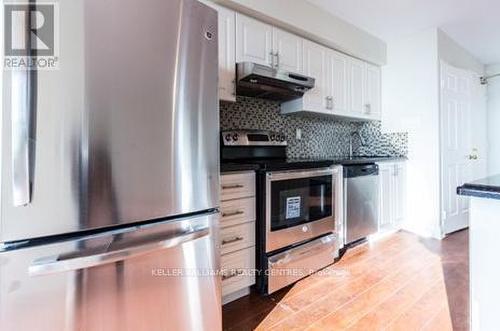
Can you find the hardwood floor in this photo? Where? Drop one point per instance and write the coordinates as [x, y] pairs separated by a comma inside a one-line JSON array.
[[400, 282]]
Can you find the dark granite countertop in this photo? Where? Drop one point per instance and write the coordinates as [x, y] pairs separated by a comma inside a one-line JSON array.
[[367, 159], [248, 166], [488, 188], [228, 167]]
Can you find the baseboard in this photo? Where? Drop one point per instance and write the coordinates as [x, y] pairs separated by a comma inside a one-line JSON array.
[[235, 295]]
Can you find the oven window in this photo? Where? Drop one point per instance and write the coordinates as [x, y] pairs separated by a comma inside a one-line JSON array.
[[298, 201]]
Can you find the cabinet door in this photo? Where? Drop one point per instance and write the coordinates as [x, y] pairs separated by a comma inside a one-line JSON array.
[[356, 77], [227, 54], [373, 91], [288, 49], [399, 210], [253, 41], [315, 66], [386, 195], [337, 81]]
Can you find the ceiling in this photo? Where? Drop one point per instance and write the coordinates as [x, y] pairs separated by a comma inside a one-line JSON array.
[[474, 24]]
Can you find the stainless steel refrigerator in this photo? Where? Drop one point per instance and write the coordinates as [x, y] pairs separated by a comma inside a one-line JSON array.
[[109, 180]]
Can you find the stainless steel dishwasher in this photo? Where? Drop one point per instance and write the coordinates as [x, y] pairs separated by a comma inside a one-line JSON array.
[[361, 201]]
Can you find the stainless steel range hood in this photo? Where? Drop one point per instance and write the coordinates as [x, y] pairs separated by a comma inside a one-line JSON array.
[[259, 81]]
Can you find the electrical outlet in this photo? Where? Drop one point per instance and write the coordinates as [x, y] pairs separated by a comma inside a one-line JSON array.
[[298, 134]]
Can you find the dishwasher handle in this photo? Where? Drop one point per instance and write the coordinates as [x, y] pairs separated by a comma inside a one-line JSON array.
[[361, 170]]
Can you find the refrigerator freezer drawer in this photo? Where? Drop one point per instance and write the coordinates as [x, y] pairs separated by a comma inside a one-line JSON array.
[[143, 278]]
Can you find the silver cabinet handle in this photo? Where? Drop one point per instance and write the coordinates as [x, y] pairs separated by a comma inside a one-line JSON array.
[[230, 241], [234, 213], [329, 102], [277, 59], [21, 116], [56, 264], [368, 108], [272, 58], [232, 187], [233, 273]]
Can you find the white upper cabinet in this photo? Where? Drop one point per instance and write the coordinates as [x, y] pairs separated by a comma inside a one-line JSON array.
[[356, 80], [253, 41], [337, 82], [373, 91], [344, 86], [315, 66], [227, 54], [287, 50]]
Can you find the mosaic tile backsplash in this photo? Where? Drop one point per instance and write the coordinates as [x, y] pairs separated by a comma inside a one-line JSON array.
[[322, 137]]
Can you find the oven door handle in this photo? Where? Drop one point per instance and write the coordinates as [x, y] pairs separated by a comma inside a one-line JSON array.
[[302, 252], [283, 175]]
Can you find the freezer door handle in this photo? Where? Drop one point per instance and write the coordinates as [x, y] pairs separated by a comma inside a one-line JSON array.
[[57, 264]]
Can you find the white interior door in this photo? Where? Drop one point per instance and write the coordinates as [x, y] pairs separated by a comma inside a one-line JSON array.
[[460, 158], [479, 123]]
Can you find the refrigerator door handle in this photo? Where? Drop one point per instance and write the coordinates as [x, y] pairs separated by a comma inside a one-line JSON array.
[[21, 121], [57, 264]]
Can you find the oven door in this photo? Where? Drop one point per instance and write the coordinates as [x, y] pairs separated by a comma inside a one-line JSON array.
[[300, 205]]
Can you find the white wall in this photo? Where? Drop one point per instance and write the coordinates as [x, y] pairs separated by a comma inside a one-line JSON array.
[[304, 18], [410, 101], [493, 103], [455, 55]]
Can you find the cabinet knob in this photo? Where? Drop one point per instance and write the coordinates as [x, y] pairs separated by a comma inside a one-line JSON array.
[[329, 102], [368, 108], [272, 59]]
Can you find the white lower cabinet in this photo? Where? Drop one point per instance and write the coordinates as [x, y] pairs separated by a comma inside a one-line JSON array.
[[237, 234], [237, 270], [392, 195]]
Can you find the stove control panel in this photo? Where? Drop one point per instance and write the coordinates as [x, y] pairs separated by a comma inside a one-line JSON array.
[[253, 138]]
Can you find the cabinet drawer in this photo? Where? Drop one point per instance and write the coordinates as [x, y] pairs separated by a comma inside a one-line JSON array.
[[237, 185], [238, 211], [237, 270], [237, 237]]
